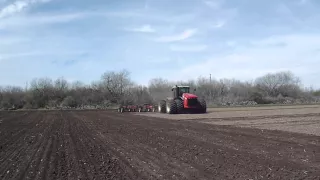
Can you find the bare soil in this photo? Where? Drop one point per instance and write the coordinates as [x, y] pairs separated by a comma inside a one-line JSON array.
[[110, 145], [242, 112], [299, 119]]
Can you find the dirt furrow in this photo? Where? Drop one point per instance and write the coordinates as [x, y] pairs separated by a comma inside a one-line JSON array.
[[74, 154], [109, 145], [12, 127], [61, 165], [254, 139], [117, 165], [13, 154], [41, 164], [31, 166], [52, 156], [125, 128]]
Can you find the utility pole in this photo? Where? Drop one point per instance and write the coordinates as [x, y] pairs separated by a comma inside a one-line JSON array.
[[26, 88], [210, 90]]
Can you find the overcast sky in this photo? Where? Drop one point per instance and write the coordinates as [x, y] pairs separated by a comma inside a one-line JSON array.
[[175, 39]]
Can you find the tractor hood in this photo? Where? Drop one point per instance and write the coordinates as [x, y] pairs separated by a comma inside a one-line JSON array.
[[189, 95]]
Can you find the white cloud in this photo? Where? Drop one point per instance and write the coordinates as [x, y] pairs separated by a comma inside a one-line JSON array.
[[32, 21], [303, 1], [145, 28], [146, 6], [5, 40], [155, 60], [219, 24], [25, 54], [178, 37], [231, 43], [57, 18], [299, 55], [124, 14], [41, 53], [18, 6], [13, 8], [194, 48], [214, 4]]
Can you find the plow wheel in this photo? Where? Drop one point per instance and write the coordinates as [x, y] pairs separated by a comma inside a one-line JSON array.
[[171, 107], [162, 106]]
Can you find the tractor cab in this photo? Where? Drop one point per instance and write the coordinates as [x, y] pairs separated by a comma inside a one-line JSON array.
[[178, 91]]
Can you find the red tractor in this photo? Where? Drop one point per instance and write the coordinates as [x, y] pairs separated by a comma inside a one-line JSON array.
[[182, 102]]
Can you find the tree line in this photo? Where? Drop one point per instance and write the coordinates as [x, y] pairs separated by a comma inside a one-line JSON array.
[[117, 88]]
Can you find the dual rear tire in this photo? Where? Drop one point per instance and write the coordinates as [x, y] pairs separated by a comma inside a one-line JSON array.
[[171, 106], [179, 103], [203, 105], [176, 106], [168, 106]]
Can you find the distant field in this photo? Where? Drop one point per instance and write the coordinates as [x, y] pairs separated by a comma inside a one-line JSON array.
[[265, 106], [300, 119]]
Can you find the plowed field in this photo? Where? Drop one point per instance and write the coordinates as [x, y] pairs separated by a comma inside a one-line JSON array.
[[110, 145]]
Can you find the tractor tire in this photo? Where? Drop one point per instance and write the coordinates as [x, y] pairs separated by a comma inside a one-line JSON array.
[[171, 107], [162, 106], [179, 103], [203, 105]]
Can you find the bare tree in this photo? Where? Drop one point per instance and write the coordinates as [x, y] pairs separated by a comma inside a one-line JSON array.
[[60, 90], [11, 96], [278, 83], [116, 84], [115, 88], [140, 95], [159, 88], [42, 92]]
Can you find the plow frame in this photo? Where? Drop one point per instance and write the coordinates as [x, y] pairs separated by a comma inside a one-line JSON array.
[[138, 108]]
